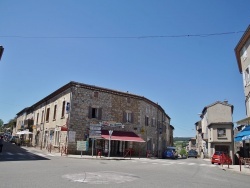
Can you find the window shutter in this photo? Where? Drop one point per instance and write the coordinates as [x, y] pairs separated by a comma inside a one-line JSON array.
[[124, 117], [132, 117], [90, 112], [100, 113]]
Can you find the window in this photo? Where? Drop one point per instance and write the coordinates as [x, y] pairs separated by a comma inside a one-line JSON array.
[[128, 117], [54, 115], [128, 100], [57, 137], [246, 76], [153, 122], [63, 109], [37, 116], [42, 116], [146, 120], [95, 113], [221, 132], [95, 94], [47, 114]]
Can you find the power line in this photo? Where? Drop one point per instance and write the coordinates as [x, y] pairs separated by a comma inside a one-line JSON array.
[[122, 37]]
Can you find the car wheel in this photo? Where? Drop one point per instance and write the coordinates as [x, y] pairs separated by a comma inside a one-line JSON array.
[[212, 162]]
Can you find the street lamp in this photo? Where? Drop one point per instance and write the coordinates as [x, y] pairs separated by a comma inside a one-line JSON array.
[[110, 134]]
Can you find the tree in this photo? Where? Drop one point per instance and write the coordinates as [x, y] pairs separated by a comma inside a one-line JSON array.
[[1, 125], [11, 124], [183, 152]]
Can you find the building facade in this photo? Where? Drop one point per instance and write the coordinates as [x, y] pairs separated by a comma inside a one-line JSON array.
[[215, 129], [242, 53], [69, 114]]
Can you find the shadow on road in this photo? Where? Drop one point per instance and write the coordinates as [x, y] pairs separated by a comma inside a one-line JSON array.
[[12, 152]]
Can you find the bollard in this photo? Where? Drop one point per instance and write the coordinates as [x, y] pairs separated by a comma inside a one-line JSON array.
[[240, 164]]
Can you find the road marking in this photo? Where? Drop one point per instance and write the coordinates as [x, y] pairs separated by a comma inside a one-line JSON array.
[[9, 153], [20, 154], [211, 165], [154, 163], [191, 164], [203, 164], [166, 164], [101, 178], [51, 155], [40, 154]]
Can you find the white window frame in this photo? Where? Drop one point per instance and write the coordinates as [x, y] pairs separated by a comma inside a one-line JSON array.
[[128, 117], [56, 137]]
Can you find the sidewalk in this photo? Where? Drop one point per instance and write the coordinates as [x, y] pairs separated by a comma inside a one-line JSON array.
[[234, 168], [45, 151]]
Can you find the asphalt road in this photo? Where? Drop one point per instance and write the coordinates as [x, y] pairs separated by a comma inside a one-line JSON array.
[[22, 169]]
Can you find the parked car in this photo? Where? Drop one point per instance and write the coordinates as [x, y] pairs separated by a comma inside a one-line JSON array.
[[220, 157], [192, 153], [16, 140], [170, 153]]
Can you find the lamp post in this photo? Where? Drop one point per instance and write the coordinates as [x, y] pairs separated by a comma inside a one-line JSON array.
[[110, 134]]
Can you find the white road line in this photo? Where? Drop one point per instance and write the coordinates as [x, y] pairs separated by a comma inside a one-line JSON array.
[[20, 154], [40, 154], [203, 164], [191, 164], [9, 153], [212, 165], [51, 155], [154, 163]]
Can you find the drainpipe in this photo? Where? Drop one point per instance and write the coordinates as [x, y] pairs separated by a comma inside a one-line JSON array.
[[157, 132], [70, 105], [44, 118]]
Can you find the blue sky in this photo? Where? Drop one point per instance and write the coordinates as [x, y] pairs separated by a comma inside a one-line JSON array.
[[50, 43]]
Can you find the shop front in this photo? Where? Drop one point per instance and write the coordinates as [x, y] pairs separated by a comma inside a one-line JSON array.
[[121, 143]]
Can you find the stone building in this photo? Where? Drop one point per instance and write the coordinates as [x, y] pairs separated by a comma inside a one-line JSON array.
[[74, 111]]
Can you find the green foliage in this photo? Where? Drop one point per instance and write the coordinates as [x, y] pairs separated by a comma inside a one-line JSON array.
[[1, 125], [1, 122], [183, 152]]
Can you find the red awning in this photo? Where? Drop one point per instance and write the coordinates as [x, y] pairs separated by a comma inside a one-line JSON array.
[[64, 128], [122, 136]]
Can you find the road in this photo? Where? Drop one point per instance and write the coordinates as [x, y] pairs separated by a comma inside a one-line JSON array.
[[20, 168]]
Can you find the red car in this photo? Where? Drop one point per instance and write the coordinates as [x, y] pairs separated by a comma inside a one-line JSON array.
[[221, 157]]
